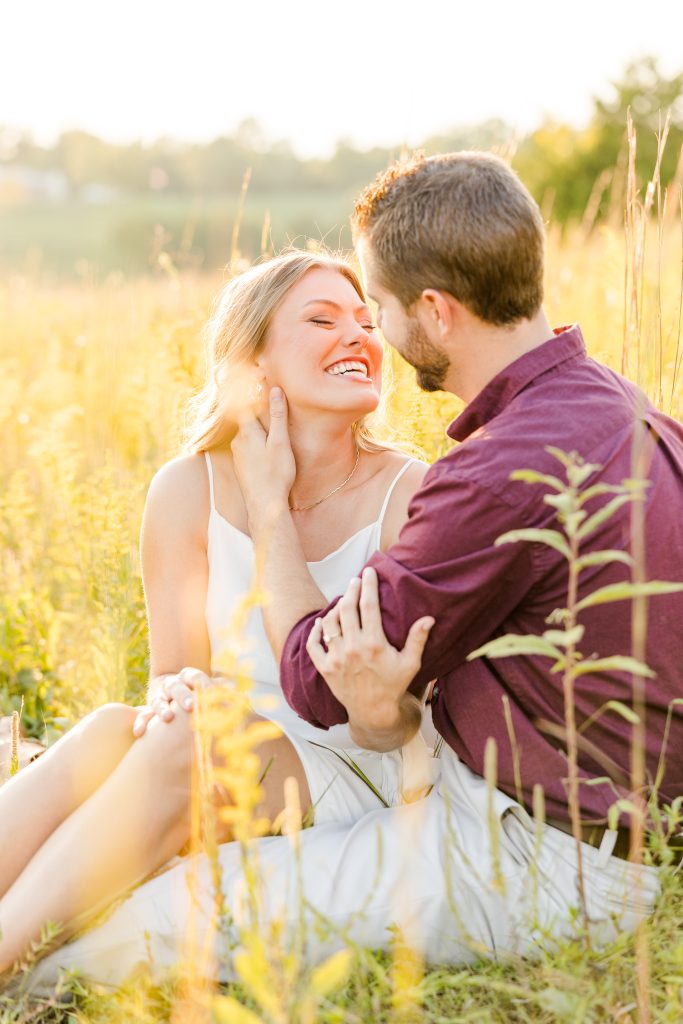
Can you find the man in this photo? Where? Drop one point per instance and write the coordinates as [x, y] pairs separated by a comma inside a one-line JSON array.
[[452, 252], [451, 249]]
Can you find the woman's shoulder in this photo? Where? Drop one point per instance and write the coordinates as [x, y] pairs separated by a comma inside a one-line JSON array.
[[404, 475], [410, 468], [181, 477], [178, 494]]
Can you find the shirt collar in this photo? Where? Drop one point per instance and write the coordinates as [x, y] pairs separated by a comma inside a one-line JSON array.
[[566, 343]]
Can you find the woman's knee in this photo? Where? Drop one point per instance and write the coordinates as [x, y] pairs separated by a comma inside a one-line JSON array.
[[109, 724], [168, 747]]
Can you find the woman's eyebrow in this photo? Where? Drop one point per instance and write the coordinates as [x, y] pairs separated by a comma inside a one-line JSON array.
[[330, 302]]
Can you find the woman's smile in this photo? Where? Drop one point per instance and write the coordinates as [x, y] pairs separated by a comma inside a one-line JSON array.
[[356, 369]]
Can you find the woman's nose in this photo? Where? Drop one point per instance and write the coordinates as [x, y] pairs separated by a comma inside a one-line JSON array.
[[357, 337]]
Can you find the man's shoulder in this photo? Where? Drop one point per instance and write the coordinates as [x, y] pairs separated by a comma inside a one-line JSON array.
[[586, 408]]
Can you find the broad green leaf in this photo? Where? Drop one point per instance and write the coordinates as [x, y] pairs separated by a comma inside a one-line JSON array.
[[227, 1010], [572, 522], [332, 974], [567, 459], [564, 503], [602, 558], [596, 490], [627, 591], [564, 637], [530, 476], [553, 538], [578, 474], [557, 617], [611, 705], [603, 514], [510, 645], [617, 663]]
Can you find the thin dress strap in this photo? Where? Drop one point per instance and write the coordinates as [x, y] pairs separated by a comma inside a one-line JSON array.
[[393, 483], [209, 469]]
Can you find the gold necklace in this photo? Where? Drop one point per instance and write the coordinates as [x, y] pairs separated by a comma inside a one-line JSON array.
[[303, 508]]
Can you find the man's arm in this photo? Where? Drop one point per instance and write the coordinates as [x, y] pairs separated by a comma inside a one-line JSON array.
[[446, 565]]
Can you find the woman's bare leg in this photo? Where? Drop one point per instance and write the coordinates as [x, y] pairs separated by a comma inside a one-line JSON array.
[[43, 794], [132, 824]]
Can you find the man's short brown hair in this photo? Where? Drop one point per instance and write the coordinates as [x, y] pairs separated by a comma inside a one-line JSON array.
[[461, 223]]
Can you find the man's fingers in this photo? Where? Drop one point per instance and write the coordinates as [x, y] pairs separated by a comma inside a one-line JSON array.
[[415, 642]]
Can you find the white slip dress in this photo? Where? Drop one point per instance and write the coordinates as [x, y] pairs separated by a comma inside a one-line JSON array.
[[333, 763], [352, 863]]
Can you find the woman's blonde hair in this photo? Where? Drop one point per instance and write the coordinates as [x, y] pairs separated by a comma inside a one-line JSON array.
[[235, 335]]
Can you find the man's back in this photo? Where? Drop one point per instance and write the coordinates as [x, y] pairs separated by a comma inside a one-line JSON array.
[[579, 405]]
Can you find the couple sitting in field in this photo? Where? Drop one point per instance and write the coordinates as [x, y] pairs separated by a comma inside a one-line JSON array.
[[451, 250]]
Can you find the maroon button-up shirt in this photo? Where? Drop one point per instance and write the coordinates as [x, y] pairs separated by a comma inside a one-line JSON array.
[[446, 564]]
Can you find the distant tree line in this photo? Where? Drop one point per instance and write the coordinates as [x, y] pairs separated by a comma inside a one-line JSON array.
[[559, 163]]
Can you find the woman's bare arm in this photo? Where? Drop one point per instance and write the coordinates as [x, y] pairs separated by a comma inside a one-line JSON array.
[[175, 569]]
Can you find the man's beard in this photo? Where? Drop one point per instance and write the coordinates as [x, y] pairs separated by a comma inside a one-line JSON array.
[[431, 365]]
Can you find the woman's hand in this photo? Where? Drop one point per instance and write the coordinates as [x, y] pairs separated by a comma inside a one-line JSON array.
[[264, 462], [173, 691], [362, 669]]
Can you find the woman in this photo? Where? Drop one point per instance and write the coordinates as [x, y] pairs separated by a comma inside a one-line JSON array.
[[101, 809]]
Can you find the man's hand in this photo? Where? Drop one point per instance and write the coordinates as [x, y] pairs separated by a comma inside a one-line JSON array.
[[172, 692], [362, 669], [264, 463]]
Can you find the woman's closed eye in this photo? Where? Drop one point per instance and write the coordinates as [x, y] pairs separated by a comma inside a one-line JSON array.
[[330, 323]]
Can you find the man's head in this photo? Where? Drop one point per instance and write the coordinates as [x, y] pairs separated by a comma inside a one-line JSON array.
[[449, 242]]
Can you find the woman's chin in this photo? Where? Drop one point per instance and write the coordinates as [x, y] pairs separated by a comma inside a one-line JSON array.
[[353, 405]]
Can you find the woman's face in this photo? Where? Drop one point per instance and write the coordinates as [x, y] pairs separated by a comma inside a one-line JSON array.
[[321, 347]]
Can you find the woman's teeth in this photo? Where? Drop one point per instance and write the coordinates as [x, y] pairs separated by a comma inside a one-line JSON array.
[[348, 366]]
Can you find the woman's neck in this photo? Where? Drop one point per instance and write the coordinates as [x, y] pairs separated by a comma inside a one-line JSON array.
[[325, 453]]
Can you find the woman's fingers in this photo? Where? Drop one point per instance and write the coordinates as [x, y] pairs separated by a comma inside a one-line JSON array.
[[142, 720], [349, 620], [370, 611], [314, 646], [414, 647], [331, 626], [180, 687]]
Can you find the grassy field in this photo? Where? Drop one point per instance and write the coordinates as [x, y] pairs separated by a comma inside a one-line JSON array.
[[94, 376], [124, 235]]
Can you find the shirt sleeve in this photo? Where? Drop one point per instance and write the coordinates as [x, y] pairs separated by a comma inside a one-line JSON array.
[[445, 564]]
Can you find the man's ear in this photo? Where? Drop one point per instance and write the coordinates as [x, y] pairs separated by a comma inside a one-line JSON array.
[[439, 311]]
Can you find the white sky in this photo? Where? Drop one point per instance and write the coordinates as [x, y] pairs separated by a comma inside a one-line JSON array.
[[313, 71]]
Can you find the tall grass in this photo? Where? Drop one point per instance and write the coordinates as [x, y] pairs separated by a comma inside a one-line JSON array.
[[93, 380]]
